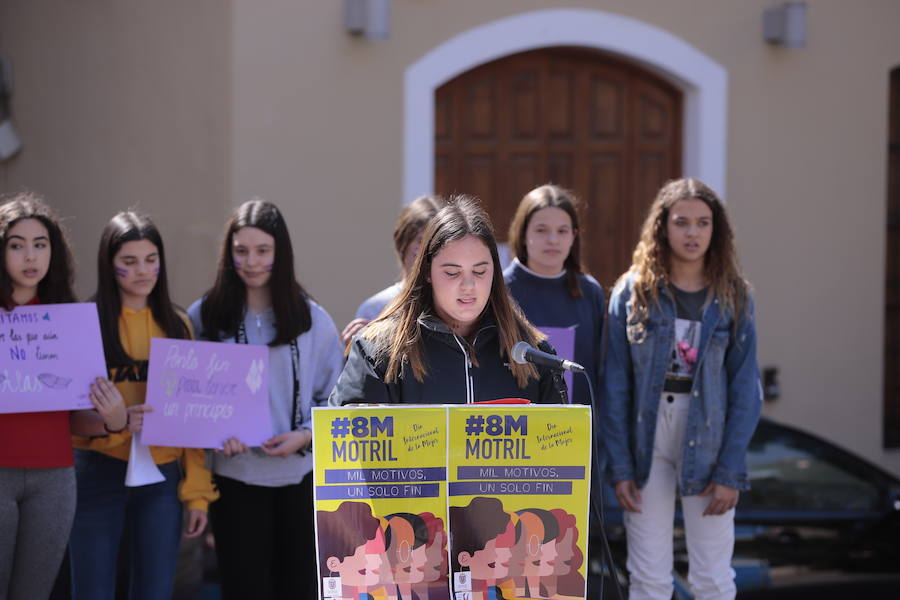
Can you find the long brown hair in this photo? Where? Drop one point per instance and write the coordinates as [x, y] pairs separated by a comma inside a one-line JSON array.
[[56, 286], [225, 303], [547, 196], [396, 333], [122, 228], [651, 261]]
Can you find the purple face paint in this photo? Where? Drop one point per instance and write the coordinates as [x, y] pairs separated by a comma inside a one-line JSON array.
[[269, 267], [120, 272], [237, 263], [156, 271]]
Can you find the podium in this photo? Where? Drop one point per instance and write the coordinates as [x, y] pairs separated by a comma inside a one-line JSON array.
[[452, 502]]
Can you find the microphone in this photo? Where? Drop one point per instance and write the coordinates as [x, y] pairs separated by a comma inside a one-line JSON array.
[[522, 353]]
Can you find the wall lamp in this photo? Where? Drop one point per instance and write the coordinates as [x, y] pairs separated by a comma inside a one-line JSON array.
[[10, 143], [785, 25], [371, 18]]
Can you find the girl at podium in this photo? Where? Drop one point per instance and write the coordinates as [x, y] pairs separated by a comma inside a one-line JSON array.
[[447, 337]]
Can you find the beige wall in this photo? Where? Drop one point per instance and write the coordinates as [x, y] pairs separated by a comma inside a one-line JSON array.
[[190, 108], [124, 104]]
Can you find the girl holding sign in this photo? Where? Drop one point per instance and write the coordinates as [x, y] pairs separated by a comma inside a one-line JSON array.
[[133, 301], [447, 338], [548, 280], [682, 394], [264, 519], [37, 479]]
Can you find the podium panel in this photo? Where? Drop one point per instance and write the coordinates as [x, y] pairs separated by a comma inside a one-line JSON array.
[[504, 487], [518, 482]]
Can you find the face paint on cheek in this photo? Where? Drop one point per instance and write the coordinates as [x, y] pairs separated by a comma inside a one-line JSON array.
[[120, 272], [268, 268], [237, 263], [156, 271]]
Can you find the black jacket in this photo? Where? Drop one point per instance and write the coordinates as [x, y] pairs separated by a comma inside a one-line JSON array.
[[448, 370]]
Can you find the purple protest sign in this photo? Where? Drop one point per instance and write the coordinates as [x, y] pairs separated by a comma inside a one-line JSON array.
[[563, 341], [203, 393], [49, 355]]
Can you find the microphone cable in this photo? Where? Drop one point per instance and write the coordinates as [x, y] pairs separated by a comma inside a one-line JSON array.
[[606, 558]]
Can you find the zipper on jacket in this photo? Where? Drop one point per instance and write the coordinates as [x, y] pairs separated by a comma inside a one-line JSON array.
[[470, 388]]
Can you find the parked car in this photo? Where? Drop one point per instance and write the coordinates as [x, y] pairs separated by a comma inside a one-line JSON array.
[[818, 522]]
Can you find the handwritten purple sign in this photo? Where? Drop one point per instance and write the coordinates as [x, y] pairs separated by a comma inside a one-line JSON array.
[[563, 341], [49, 355], [203, 393]]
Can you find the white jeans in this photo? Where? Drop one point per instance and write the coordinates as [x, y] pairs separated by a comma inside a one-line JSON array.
[[710, 539]]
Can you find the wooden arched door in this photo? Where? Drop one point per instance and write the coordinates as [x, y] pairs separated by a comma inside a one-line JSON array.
[[605, 128]]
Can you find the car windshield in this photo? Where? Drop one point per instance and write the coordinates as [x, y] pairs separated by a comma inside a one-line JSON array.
[[789, 472]]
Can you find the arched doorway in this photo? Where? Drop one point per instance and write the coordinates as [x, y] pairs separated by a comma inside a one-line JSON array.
[[602, 126]]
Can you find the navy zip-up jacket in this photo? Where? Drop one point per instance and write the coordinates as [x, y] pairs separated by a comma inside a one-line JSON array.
[[450, 378]]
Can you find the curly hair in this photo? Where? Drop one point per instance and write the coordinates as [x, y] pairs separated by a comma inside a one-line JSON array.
[[651, 261]]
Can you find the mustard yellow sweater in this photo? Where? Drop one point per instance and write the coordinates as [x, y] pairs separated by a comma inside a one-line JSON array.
[[135, 330]]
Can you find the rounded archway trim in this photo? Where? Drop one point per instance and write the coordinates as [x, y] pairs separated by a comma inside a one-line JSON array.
[[703, 81]]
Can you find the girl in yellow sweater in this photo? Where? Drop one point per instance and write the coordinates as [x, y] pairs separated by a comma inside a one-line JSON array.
[[133, 301]]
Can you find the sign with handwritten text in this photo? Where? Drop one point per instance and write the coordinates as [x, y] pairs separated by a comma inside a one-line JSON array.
[[49, 355], [203, 393]]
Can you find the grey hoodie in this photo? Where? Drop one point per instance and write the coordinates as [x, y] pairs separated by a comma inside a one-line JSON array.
[[321, 361]]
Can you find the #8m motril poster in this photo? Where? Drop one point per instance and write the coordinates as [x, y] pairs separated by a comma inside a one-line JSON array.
[[381, 502], [518, 486]]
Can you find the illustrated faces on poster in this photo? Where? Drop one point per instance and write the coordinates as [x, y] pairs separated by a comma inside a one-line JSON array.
[[532, 556], [491, 563], [565, 552], [435, 559], [406, 560], [364, 567]]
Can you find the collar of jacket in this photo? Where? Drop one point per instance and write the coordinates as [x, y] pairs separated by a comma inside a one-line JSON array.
[[431, 323]]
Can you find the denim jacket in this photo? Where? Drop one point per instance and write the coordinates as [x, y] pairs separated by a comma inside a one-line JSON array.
[[726, 396]]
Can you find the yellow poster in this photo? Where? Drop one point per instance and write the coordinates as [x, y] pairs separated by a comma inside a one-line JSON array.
[[381, 502], [518, 485]]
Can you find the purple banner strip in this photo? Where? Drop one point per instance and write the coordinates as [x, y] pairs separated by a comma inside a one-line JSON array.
[[510, 488], [391, 475], [519, 472], [377, 490]]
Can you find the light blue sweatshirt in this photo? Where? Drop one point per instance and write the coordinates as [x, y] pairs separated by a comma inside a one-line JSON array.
[[321, 361]]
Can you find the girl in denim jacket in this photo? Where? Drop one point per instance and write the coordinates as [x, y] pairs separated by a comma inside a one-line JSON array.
[[682, 395]]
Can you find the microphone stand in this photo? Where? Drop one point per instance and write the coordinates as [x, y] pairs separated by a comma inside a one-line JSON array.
[[606, 558]]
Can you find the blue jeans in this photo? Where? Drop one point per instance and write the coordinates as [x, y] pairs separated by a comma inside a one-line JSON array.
[[149, 516]]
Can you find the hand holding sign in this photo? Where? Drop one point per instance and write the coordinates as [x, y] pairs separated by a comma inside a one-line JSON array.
[[136, 417], [233, 446], [288, 443], [109, 403]]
